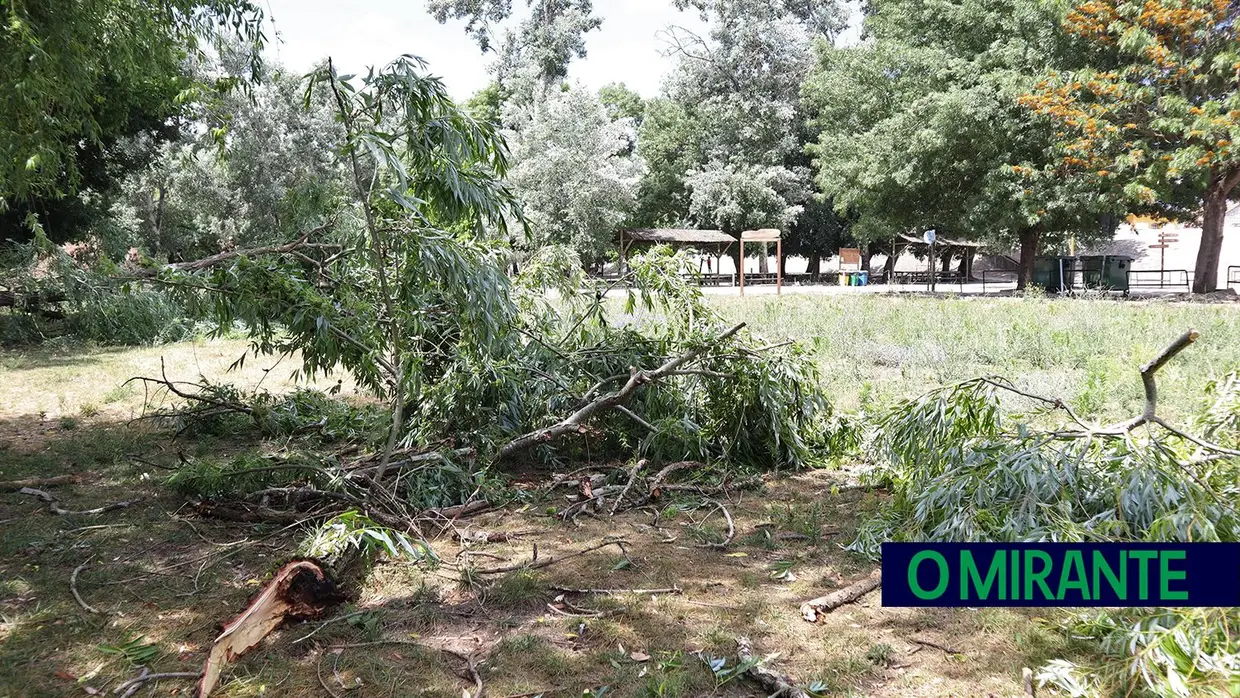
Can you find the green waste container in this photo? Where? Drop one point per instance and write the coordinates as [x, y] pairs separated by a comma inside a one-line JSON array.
[[1054, 273], [1109, 272]]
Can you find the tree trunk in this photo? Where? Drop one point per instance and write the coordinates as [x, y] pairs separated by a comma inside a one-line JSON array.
[[867, 253], [814, 266], [889, 267], [1213, 220], [1029, 239], [762, 268]]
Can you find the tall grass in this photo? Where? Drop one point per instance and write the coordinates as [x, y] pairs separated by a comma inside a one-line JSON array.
[[875, 349]]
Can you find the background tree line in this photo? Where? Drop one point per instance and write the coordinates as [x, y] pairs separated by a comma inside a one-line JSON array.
[[1017, 124]]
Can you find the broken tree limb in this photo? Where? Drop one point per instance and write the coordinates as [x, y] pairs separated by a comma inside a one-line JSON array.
[[775, 683], [300, 589], [575, 422], [616, 592], [814, 608], [938, 646]]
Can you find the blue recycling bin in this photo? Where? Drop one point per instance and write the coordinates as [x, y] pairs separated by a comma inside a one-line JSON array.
[[863, 278]]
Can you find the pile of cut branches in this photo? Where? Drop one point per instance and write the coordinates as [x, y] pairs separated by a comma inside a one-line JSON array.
[[959, 469]]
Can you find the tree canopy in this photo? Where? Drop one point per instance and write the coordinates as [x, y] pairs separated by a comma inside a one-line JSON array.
[[82, 76], [1157, 112]]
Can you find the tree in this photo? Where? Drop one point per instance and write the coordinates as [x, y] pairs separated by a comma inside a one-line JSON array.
[[622, 103], [1165, 117], [723, 143], [545, 42], [921, 128], [81, 75], [572, 171], [271, 177]]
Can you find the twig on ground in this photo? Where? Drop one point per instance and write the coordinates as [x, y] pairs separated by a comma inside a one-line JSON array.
[[814, 608], [73, 588], [550, 560], [139, 680], [935, 645], [731, 530]]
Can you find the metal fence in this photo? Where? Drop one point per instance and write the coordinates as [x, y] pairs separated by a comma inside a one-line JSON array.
[[998, 276], [1167, 278]]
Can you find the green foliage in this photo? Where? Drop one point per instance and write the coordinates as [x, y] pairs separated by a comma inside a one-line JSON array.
[[959, 470], [352, 532], [241, 476], [133, 650], [1168, 653], [77, 75]]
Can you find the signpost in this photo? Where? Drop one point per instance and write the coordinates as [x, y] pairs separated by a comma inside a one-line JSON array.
[[929, 237], [1164, 241]]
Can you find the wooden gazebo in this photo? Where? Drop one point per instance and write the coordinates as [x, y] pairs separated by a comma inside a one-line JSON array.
[[715, 241], [764, 235]]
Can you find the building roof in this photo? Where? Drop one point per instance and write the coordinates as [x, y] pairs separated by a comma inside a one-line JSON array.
[[677, 235], [763, 235]]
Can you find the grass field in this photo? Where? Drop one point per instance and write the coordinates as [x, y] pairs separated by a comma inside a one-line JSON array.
[[162, 578]]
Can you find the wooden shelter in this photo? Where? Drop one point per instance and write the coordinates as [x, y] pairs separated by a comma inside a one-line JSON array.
[[716, 241], [764, 235], [942, 246]]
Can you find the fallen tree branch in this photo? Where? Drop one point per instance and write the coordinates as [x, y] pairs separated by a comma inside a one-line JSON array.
[[775, 683], [637, 468], [575, 422], [814, 608]]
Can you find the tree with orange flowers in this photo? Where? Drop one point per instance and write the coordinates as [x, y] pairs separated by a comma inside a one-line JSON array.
[[1166, 118]]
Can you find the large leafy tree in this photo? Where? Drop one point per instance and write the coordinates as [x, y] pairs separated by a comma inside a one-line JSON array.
[[1164, 118], [920, 127], [573, 171], [80, 76], [273, 177], [723, 142]]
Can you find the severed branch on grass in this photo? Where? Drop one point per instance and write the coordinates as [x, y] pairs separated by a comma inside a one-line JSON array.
[[813, 609], [775, 683], [576, 422], [1149, 415]]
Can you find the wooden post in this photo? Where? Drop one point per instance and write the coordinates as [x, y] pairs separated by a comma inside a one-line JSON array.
[[740, 267], [779, 267]]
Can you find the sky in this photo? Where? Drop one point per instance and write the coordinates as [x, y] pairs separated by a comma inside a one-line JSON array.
[[362, 33]]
